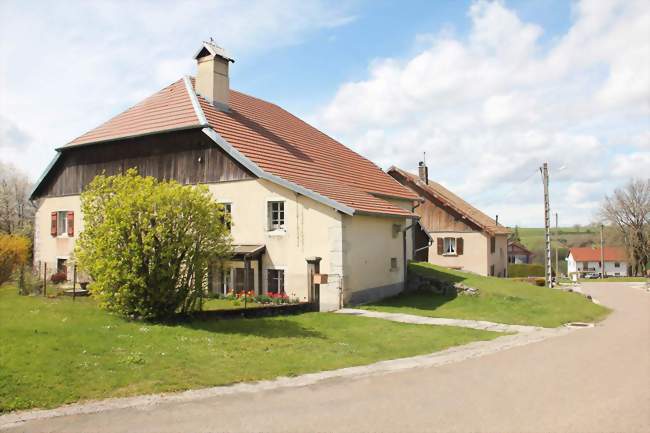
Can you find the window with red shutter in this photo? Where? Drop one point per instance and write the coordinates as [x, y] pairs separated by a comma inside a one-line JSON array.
[[53, 224], [70, 217]]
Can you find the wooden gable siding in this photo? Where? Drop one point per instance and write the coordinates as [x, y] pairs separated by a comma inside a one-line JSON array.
[[164, 156], [434, 218]]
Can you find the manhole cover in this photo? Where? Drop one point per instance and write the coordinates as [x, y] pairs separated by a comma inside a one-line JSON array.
[[579, 325]]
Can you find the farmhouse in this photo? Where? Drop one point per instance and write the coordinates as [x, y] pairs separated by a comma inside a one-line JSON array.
[[451, 232], [300, 202], [586, 260], [518, 253]]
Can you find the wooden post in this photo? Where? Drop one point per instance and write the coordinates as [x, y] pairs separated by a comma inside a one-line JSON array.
[[45, 279], [74, 282], [247, 267], [313, 268]]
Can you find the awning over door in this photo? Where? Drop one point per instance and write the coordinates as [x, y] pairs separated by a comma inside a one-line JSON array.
[[251, 252]]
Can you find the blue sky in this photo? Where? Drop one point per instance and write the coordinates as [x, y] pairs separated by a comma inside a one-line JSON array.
[[489, 90]]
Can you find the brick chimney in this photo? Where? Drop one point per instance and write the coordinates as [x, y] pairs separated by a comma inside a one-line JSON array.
[[423, 172], [212, 80]]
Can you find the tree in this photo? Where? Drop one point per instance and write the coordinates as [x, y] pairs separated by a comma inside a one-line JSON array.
[[14, 251], [148, 244], [628, 210], [514, 236], [16, 211]]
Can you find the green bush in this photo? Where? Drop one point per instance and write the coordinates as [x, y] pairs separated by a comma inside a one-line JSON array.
[[525, 270], [14, 251], [148, 244]]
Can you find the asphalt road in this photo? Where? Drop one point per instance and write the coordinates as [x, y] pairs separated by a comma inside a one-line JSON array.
[[591, 380]]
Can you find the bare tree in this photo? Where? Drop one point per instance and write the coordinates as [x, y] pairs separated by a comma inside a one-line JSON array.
[[16, 211], [628, 210]]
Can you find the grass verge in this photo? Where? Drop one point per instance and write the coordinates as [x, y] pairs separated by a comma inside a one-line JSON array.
[[56, 351], [500, 300]]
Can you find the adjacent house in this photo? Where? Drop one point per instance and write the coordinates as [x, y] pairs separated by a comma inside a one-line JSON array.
[[451, 232], [518, 253], [300, 201], [587, 260]]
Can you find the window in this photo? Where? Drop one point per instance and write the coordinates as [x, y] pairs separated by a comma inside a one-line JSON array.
[[450, 246], [227, 218], [276, 281], [493, 244], [393, 263], [617, 265], [276, 215], [62, 265], [61, 222]]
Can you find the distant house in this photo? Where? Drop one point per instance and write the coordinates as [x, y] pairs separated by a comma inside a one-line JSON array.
[[519, 254], [582, 261], [451, 232]]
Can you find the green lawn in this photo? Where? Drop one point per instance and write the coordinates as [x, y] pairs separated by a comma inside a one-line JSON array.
[[500, 300], [54, 351]]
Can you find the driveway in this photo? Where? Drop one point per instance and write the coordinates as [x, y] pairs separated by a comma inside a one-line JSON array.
[[591, 380]]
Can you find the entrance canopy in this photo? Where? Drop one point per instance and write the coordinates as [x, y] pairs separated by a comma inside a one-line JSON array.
[[250, 252]]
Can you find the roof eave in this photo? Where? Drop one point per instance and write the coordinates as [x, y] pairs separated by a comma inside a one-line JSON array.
[[41, 179], [128, 136]]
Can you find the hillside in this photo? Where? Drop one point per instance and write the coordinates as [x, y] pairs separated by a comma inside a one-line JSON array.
[[533, 239]]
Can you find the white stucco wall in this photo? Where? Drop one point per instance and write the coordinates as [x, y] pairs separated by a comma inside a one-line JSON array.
[[48, 248], [610, 267], [475, 249], [355, 250], [311, 229], [369, 245]]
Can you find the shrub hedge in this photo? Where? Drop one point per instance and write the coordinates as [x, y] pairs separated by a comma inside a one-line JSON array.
[[524, 270]]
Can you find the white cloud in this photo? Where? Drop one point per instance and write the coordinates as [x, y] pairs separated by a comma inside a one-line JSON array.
[[489, 108], [631, 165], [68, 66]]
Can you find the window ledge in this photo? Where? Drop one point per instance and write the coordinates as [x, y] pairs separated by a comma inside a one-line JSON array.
[[450, 254], [277, 232]]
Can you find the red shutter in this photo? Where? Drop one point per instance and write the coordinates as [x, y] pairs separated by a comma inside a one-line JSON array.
[[53, 225], [459, 246], [441, 242], [70, 223]]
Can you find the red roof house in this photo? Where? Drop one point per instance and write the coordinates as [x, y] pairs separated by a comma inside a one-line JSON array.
[[253, 154]]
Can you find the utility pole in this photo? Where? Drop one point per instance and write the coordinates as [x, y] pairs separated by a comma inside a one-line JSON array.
[[557, 242], [602, 255], [547, 227]]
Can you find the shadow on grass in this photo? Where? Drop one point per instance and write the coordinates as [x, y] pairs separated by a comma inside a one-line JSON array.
[[422, 299], [419, 299], [262, 327]]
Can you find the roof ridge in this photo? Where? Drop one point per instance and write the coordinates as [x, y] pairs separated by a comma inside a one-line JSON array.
[[200, 115]]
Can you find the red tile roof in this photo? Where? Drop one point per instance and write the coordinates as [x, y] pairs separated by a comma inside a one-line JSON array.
[[453, 201], [275, 140], [587, 254], [167, 110]]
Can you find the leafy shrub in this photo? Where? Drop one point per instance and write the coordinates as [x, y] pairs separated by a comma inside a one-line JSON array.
[[524, 270], [147, 244], [14, 251], [29, 283], [59, 277], [263, 299]]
